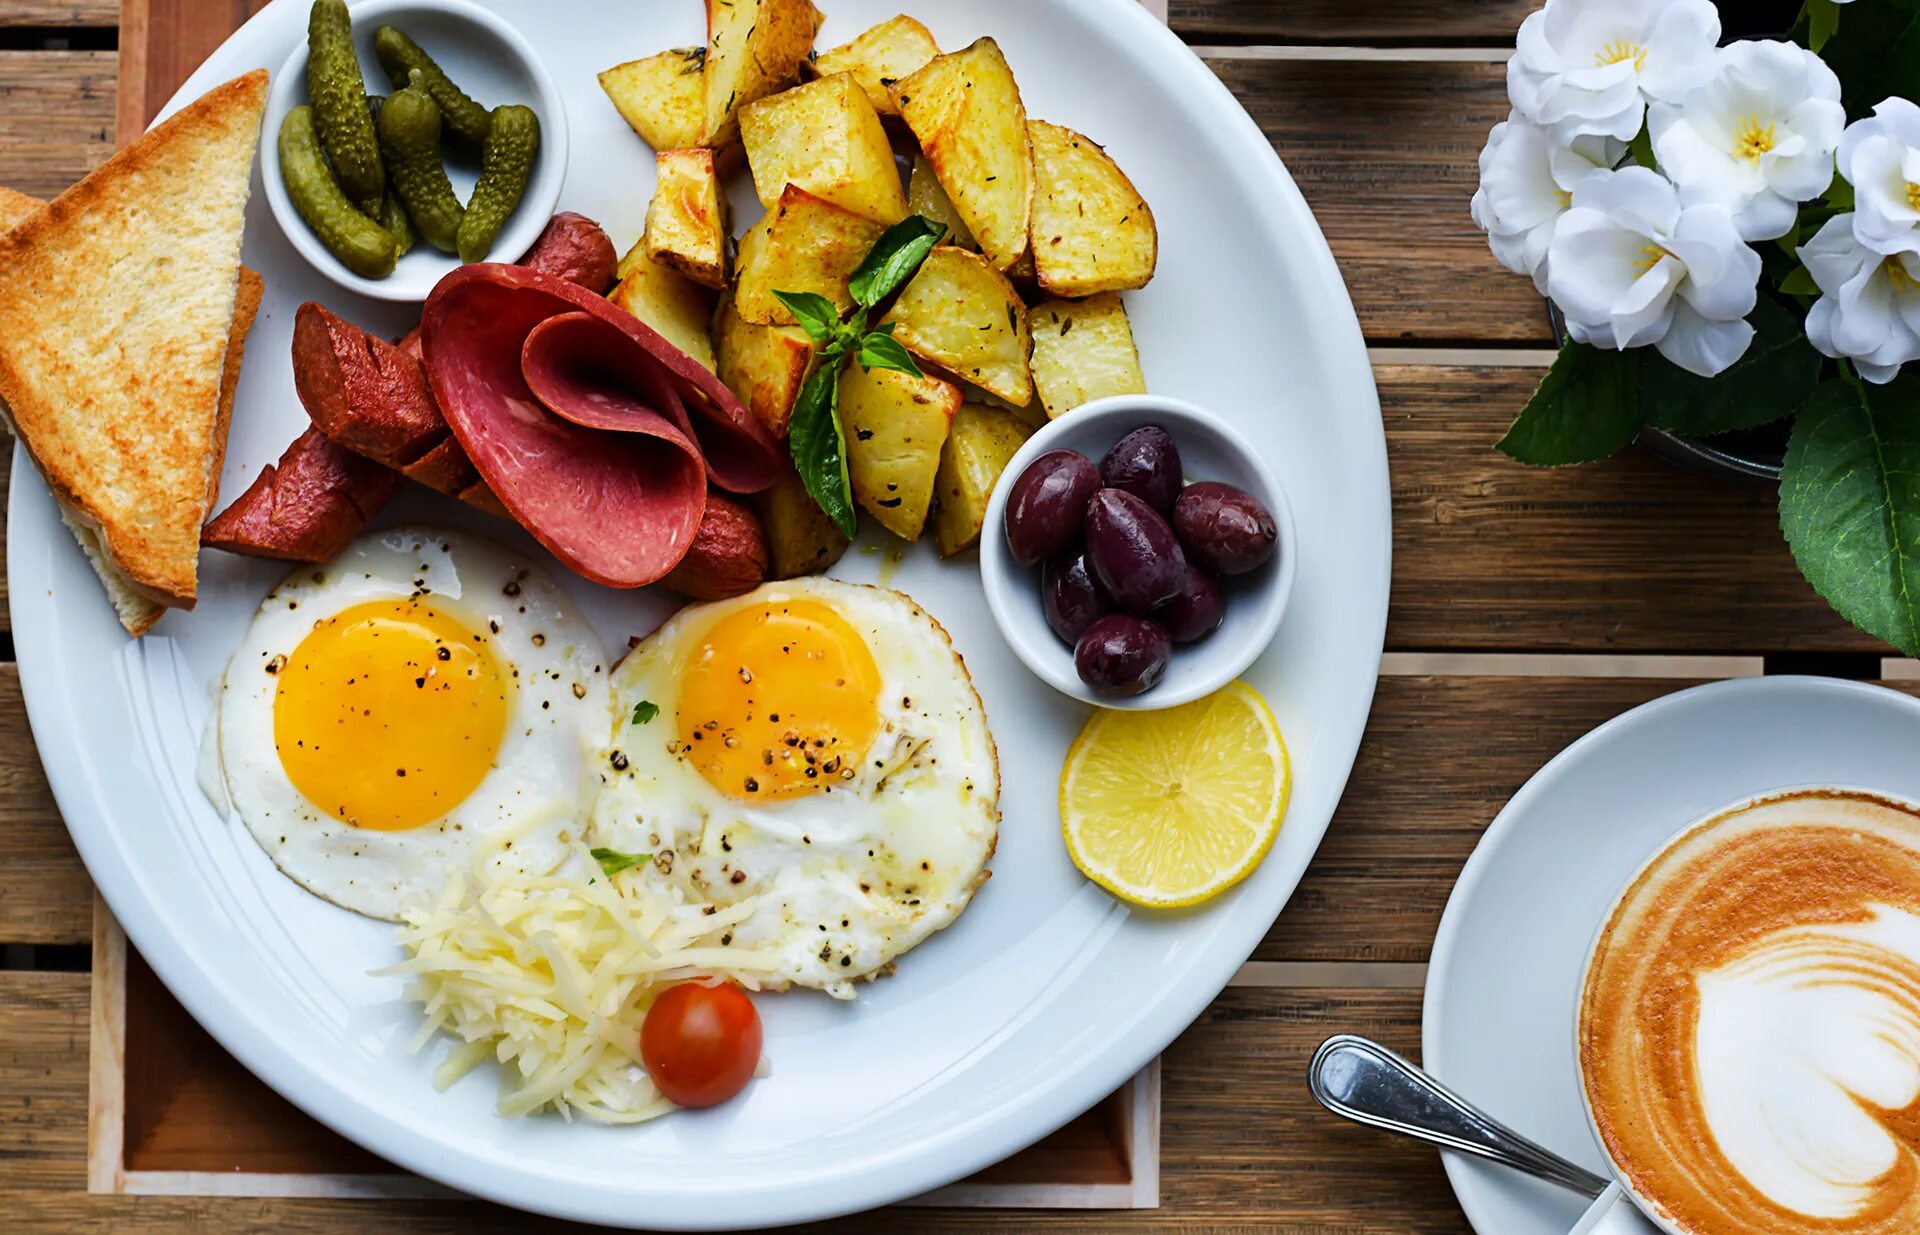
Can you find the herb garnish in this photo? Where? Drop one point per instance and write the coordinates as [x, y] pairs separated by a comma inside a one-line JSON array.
[[612, 861], [644, 711], [814, 435]]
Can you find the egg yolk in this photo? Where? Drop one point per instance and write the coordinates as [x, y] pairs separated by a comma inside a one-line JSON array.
[[780, 700], [389, 714]]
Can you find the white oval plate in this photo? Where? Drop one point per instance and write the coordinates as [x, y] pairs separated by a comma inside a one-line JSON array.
[[1046, 995], [1498, 1024]]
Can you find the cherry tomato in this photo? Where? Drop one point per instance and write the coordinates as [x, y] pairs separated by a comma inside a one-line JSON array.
[[701, 1043]]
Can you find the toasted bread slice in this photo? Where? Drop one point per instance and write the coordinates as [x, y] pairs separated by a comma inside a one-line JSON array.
[[117, 304], [16, 208]]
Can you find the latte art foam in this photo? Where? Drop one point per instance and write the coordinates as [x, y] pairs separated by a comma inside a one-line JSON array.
[[1750, 1026]]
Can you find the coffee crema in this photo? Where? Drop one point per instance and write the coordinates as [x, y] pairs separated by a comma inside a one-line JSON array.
[[1749, 1029]]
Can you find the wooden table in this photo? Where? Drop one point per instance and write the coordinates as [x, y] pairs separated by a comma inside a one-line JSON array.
[[1527, 607]]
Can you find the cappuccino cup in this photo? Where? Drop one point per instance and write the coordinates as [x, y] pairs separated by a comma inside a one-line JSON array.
[[1748, 1026]]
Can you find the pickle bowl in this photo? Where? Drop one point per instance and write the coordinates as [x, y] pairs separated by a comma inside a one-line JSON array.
[[488, 59], [1255, 602]]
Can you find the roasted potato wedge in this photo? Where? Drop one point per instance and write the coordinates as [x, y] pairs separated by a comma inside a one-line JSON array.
[[963, 317], [804, 244], [674, 305], [896, 48], [895, 425], [687, 218], [754, 48], [979, 445], [801, 540], [663, 97], [1092, 231], [1083, 350], [826, 138], [764, 366], [927, 199], [965, 108]]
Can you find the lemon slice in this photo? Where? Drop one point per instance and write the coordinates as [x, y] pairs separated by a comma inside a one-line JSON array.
[[1169, 808]]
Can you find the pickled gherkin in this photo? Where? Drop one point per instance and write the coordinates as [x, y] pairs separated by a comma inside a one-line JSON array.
[[340, 112], [410, 143], [362, 245], [393, 217], [401, 57], [506, 166]]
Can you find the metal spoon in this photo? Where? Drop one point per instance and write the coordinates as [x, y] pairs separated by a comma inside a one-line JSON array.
[[1363, 1081]]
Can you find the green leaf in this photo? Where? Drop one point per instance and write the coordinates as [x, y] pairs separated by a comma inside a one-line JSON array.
[[1823, 21], [1875, 53], [612, 861], [1800, 283], [644, 711], [815, 313], [1778, 372], [879, 351], [818, 446], [1850, 503], [1641, 148], [1586, 408], [893, 259]]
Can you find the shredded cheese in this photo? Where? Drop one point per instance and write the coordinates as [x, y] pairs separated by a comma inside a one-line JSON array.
[[551, 975]]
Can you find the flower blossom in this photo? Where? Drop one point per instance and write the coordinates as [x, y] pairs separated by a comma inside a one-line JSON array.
[[1526, 183], [1630, 266], [1757, 137], [1589, 66], [1880, 158], [1869, 306]]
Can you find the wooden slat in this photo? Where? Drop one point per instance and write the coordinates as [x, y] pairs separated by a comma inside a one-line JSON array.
[[1628, 555], [45, 896], [162, 42], [58, 14], [56, 117], [1427, 23], [43, 1083], [1387, 154]]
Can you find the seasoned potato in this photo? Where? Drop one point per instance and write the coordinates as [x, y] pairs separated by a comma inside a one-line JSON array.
[[1083, 350], [927, 199], [978, 446], [1092, 231], [801, 540], [895, 425], [803, 244], [754, 48], [896, 48], [764, 366], [961, 315], [687, 218], [826, 138], [674, 305], [965, 108], [663, 97]]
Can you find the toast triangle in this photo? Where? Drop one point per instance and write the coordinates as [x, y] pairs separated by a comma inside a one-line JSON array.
[[117, 306]]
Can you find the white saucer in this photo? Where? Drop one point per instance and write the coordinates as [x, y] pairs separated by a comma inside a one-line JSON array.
[[1498, 1021]]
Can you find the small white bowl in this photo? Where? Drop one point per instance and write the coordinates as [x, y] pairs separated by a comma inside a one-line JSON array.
[[1209, 450], [492, 63]]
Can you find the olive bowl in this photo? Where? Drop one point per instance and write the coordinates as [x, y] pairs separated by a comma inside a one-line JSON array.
[[1210, 449], [488, 59]]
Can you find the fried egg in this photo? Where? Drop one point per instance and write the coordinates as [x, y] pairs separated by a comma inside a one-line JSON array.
[[816, 747], [391, 712]]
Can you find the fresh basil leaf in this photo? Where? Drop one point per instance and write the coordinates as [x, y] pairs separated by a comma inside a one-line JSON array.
[[1586, 408], [1850, 503], [893, 259], [815, 313], [1778, 372], [612, 861], [815, 440], [644, 711], [882, 351]]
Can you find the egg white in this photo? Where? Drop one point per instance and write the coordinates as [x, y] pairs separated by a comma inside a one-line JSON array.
[[541, 779], [846, 881]]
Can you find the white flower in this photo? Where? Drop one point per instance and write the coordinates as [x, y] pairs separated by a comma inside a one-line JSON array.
[[1880, 158], [1757, 137], [1526, 182], [1630, 266], [1589, 66], [1869, 306]]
